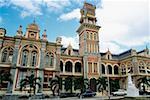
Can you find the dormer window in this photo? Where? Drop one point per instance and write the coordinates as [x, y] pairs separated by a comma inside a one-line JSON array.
[[108, 57], [69, 52]]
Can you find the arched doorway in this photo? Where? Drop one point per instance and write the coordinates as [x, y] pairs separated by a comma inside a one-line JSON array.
[[93, 84]]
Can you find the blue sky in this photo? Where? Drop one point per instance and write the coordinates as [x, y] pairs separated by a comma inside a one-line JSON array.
[[125, 23]]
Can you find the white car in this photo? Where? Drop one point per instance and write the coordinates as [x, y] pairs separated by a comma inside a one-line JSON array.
[[120, 92]]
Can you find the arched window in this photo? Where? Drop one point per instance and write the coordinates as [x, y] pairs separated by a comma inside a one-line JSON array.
[[61, 66], [109, 69], [123, 69], [24, 58], [116, 70], [29, 55], [91, 36], [130, 67], [7, 54], [78, 67], [49, 59], [68, 66], [141, 67], [95, 36], [103, 69], [87, 35], [34, 58]]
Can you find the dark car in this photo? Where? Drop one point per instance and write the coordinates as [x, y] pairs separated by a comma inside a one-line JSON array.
[[144, 92], [88, 93]]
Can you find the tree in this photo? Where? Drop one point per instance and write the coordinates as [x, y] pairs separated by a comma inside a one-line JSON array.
[[4, 76], [143, 80], [54, 85], [102, 84], [81, 83], [69, 84], [114, 85], [30, 81]]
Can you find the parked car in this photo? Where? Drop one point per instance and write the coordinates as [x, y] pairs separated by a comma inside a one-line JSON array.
[[144, 92], [120, 92], [88, 93]]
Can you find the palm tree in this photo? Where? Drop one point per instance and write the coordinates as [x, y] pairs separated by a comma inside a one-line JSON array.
[[114, 85], [69, 84], [30, 81], [102, 84], [4, 76], [54, 85], [145, 81], [82, 84]]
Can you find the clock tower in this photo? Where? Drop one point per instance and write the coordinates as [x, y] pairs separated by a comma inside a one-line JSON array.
[[89, 41]]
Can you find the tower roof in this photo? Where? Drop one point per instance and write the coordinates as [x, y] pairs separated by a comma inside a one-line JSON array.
[[33, 26]]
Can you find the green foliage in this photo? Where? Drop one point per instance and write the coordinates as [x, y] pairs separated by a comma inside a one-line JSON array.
[[54, 85], [102, 84], [145, 80], [30, 81], [69, 83], [114, 85], [5, 76], [79, 83]]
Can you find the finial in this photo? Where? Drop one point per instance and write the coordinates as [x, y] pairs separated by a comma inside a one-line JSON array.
[[108, 49], [44, 36], [19, 31]]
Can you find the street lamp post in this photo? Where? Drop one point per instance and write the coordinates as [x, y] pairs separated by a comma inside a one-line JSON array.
[[108, 88]]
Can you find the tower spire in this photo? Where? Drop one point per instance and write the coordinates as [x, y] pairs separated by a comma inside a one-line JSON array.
[[19, 31], [44, 36]]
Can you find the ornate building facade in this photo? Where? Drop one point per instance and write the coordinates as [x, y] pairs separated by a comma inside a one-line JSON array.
[[28, 52]]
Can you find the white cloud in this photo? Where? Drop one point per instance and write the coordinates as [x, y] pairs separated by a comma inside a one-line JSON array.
[[114, 48], [74, 41], [56, 5], [35, 7], [28, 7], [123, 22], [74, 14]]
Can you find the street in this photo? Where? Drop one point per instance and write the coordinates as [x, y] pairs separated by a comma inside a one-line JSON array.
[[89, 98]]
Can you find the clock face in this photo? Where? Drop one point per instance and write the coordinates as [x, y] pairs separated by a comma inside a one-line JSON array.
[[32, 34]]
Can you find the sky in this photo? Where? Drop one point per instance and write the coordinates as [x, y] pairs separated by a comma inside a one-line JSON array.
[[124, 23]]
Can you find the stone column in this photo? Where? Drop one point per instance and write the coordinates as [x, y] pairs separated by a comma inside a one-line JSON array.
[[41, 67], [1, 44], [92, 67], [63, 67], [11, 86], [73, 69], [112, 70], [63, 85], [85, 73]]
